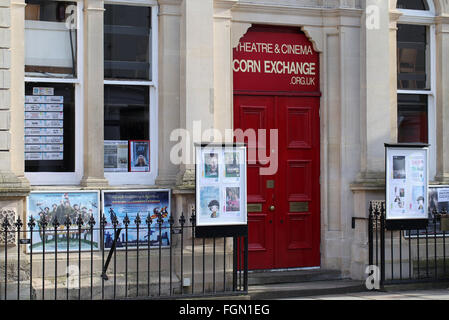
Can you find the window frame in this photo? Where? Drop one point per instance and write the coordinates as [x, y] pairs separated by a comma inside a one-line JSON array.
[[68, 178], [143, 178], [425, 18]]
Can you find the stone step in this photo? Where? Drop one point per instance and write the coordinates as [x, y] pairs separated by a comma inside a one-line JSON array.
[[291, 276], [304, 289]]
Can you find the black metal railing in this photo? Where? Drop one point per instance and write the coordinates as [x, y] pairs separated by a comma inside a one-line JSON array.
[[408, 255], [183, 267]]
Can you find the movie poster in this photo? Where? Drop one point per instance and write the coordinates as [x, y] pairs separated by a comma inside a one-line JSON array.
[[139, 155], [145, 203], [210, 202], [221, 185], [115, 156], [52, 207]]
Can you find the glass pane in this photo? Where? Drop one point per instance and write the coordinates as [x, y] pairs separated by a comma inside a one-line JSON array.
[[412, 118], [127, 42], [50, 39], [49, 127], [413, 4], [412, 57], [126, 112]]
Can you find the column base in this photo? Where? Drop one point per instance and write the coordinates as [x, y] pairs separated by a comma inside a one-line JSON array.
[[13, 186], [186, 179], [442, 178], [369, 180], [168, 180], [94, 183]]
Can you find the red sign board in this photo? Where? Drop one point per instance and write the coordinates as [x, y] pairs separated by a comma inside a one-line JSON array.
[[275, 59]]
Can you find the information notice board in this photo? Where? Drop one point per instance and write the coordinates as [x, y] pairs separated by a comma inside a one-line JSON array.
[[221, 190], [406, 185]]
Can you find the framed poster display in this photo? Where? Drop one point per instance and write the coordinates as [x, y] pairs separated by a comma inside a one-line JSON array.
[[153, 203], [221, 185], [48, 205], [406, 185], [438, 196], [139, 155]]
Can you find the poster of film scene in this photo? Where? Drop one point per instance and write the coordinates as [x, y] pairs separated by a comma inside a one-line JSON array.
[[221, 181], [145, 203], [439, 200], [54, 208]]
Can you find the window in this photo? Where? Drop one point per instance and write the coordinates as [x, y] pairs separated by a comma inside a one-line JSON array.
[[413, 57], [51, 43], [129, 93], [413, 4], [52, 92], [127, 44], [416, 74], [412, 118]]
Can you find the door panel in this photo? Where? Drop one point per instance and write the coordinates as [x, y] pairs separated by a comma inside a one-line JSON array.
[[251, 114], [298, 193]]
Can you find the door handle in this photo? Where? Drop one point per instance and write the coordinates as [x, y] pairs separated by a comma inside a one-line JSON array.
[[272, 208]]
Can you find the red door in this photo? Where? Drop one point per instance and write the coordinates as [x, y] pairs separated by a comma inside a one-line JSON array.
[[277, 87], [283, 207]]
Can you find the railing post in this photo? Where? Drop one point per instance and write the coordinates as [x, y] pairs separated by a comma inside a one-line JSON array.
[[234, 263], [370, 235], [245, 263], [382, 245]]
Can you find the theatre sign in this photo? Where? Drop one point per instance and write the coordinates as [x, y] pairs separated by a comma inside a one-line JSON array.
[[276, 62]]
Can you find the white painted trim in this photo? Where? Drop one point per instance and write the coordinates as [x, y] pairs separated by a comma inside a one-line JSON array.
[[52, 80], [68, 178], [431, 101], [129, 82]]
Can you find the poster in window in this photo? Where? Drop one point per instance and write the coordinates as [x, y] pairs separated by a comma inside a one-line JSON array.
[[139, 155], [221, 184], [47, 208], [149, 205], [115, 156], [406, 182]]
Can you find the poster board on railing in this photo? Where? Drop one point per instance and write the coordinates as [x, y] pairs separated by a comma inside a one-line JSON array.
[[407, 181], [50, 205], [438, 196], [220, 189], [148, 204]]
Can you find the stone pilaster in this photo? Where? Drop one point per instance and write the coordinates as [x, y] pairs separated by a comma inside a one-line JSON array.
[[197, 80], [93, 95], [378, 115], [12, 96], [169, 87], [442, 98]]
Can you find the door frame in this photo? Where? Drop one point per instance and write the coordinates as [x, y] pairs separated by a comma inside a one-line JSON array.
[[294, 94]]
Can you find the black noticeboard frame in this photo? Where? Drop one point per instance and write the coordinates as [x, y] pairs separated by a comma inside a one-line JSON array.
[[230, 230], [404, 224], [221, 231]]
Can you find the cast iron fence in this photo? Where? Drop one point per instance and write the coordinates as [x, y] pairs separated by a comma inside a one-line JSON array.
[[407, 256], [184, 267]]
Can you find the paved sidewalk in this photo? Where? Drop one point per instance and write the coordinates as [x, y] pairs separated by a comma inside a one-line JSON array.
[[431, 294]]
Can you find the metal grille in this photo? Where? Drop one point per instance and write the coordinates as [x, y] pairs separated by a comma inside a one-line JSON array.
[[186, 267]]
